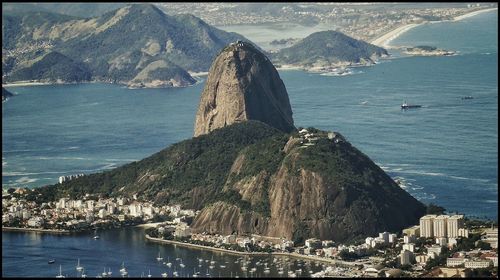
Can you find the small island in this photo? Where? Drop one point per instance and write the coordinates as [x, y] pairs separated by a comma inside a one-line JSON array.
[[427, 51]]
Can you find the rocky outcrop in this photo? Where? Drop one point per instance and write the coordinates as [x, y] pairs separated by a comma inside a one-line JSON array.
[[236, 221], [243, 85], [328, 190]]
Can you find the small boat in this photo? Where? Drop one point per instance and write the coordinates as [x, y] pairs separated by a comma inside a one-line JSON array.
[[149, 274], [467, 97], [408, 106], [164, 275], [95, 234], [169, 264], [109, 271], [182, 265], [123, 270], [104, 274], [78, 266], [159, 258], [52, 261], [60, 273], [83, 274]]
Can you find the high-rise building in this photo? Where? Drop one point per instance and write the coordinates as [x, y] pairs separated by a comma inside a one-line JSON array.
[[427, 226], [455, 223], [406, 257], [440, 226]]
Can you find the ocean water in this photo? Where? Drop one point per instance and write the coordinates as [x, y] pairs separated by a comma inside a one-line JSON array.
[[445, 152]]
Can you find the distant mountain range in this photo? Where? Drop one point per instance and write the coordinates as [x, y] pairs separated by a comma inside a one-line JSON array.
[[140, 46], [137, 45], [83, 10], [329, 49]]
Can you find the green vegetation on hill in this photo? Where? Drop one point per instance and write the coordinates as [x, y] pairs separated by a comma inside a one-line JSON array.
[[53, 67], [171, 175], [328, 47], [247, 165]]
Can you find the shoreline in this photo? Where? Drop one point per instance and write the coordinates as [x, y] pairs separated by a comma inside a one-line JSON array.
[[293, 255], [41, 230], [385, 39]]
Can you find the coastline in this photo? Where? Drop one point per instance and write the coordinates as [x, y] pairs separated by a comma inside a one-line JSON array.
[[41, 230], [293, 255], [24, 84], [385, 39]]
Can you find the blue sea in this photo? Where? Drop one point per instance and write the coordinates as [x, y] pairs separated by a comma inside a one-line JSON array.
[[444, 153]]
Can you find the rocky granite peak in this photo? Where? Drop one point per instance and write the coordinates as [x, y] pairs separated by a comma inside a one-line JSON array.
[[243, 85]]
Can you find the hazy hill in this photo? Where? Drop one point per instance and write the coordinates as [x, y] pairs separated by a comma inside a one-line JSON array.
[[326, 48], [117, 46], [84, 10], [53, 67]]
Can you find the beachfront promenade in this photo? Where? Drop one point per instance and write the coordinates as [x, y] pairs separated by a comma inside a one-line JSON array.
[[293, 255]]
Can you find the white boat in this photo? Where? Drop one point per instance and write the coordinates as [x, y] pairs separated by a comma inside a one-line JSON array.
[[109, 271], [123, 270], [159, 258], [60, 273], [164, 275], [78, 267], [95, 234], [169, 264], [104, 274], [182, 265], [149, 274], [83, 274]]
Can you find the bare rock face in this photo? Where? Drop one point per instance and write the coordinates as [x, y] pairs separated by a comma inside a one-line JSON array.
[[243, 85]]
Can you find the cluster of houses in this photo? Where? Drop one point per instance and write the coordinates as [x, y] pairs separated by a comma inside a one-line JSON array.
[[79, 214]]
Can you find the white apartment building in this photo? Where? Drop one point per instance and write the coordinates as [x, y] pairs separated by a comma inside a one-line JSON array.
[[410, 247], [440, 226], [427, 226], [434, 250], [452, 262], [477, 263], [409, 239], [455, 223], [406, 257], [393, 238], [384, 236]]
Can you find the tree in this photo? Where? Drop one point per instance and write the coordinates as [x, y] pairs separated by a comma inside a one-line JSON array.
[[433, 209]]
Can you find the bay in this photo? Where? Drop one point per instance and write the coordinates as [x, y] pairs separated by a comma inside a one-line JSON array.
[[445, 152]]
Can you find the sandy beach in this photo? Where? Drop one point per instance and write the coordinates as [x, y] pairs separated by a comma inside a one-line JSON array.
[[23, 84], [471, 14], [197, 74], [385, 39]]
